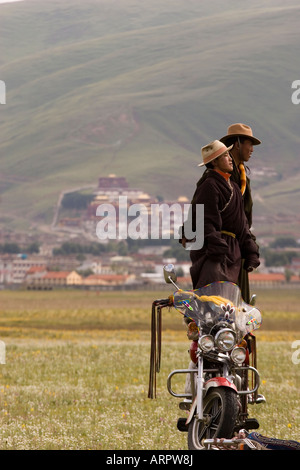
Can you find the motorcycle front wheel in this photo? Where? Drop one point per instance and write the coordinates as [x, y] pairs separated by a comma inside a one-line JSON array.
[[220, 410]]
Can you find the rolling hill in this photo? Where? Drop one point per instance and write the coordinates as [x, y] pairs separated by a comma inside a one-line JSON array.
[[136, 89]]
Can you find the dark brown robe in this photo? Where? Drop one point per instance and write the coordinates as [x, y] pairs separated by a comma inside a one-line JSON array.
[[243, 280], [247, 197], [220, 257]]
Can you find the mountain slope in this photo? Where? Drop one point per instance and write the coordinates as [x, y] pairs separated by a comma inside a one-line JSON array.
[[118, 87]]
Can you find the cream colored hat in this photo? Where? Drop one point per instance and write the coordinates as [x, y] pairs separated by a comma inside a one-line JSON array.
[[212, 151], [240, 130]]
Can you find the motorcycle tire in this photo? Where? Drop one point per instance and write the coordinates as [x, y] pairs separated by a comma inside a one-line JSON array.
[[220, 410]]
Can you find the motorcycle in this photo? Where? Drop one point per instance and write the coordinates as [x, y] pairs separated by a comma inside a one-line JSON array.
[[222, 381]]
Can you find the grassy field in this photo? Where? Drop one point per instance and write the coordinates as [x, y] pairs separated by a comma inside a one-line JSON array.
[[77, 368]]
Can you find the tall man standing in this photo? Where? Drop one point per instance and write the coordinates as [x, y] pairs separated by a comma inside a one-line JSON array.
[[240, 137]]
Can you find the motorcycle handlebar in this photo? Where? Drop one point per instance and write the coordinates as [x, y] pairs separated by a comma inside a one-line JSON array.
[[164, 302]]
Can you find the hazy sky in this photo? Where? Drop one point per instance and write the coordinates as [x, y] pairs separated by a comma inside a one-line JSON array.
[[9, 1]]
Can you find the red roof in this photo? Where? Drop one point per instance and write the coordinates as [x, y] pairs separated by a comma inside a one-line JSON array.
[[274, 277], [36, 269], [107, 277]]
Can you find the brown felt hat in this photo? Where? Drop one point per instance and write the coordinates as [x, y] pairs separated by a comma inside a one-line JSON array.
[[212, 151], [240, 130]]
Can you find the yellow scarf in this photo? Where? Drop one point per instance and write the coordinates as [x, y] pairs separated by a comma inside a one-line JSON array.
[[242, 177]]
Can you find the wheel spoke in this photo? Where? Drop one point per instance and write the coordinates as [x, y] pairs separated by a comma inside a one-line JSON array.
[[208, 430], [202, 430], [215, 419]]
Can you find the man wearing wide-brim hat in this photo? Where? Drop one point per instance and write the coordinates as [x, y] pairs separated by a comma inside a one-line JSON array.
[[242, 140], [227, 237]]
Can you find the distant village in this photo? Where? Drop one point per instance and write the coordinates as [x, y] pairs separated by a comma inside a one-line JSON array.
[[71, 256]]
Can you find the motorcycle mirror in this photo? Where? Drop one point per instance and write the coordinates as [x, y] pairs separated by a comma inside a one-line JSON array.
[[253, 300], [170, 274]]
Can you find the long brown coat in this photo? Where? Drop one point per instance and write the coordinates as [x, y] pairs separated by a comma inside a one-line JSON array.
[[243, 280], [247, 197], [220, 257]]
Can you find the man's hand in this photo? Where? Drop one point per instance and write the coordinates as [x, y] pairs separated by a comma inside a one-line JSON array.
[[249, 269]]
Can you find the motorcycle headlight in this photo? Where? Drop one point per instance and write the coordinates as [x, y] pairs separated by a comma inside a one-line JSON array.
[[206, 343], [238, 355], [225, 339]]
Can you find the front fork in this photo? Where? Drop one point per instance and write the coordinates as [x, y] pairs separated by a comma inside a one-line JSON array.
[[200, 388]]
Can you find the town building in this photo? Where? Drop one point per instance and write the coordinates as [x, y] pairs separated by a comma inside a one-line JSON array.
[[50, 279], [13, 268], [108, 280]]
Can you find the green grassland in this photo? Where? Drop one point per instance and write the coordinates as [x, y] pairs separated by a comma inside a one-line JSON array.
[[77, 369], [100, 310], [136, 89]]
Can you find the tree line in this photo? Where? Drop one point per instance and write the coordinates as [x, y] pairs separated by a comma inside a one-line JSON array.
[[15, 248]]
